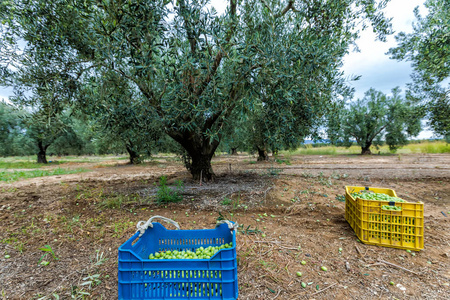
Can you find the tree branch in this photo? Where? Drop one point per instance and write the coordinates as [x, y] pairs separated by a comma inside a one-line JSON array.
[[187, 26], [267, 6], [211, 120], [220, 53], [289, 6], [233, 96], [378, 132], [148, 94], [132, 44], [84, 70]]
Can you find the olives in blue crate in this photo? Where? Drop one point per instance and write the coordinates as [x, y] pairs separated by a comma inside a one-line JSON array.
[[199, 253]]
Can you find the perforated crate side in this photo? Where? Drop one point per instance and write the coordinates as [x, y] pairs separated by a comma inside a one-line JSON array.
[[373, 225], [353, 212], [142, 278]]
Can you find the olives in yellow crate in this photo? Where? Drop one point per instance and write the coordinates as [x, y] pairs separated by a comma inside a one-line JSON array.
[[389, 207], [376, 196]]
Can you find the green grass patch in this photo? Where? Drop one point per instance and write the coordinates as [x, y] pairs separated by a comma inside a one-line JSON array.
[[428, 147], [325, 150], [423, 147], [16, 175], [24, 164], [123, 158], [31, 159]]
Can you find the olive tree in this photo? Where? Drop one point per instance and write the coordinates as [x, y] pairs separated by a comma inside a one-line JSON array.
[[194, 67], [428, 49], [40, 66], [374, 117], [13, 140], [119, 115], [235, 134]]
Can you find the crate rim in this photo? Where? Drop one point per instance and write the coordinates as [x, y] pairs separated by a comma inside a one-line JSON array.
[[129, 243], [355, 199]]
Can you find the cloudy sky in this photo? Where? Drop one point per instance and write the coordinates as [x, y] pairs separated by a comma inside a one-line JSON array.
[[375, 67], [372, 63], [377, 70]]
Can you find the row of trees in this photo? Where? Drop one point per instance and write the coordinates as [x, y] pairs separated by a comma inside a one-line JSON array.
[[373, 120], [25, 133], [264, 73]]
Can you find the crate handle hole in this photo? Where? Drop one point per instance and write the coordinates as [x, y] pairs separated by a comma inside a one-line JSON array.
[[135, 241]]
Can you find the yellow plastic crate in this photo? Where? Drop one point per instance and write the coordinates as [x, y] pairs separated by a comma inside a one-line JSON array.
[[376, 226]]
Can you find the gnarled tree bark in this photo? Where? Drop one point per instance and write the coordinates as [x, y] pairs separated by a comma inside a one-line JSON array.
[[134, 156], [262, 154], [366, 149], [200, 149], [41, 155]]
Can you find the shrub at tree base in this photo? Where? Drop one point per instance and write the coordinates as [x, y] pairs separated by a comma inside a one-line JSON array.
[[165, 194]]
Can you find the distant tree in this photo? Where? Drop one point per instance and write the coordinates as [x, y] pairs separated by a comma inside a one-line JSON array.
[[428, 49], [13, 140], [68, 143], [120, 114], [41, 66], [85, 135], [44, 126], [235, 134], [372, 118], [8, 127]]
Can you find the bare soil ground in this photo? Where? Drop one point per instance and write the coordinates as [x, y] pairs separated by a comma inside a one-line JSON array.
[[292, 208]]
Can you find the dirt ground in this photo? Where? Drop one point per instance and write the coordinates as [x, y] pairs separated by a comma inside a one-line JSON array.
[[289, 210]]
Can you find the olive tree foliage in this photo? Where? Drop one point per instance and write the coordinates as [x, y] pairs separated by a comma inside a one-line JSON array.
[[373, 118], [119, 115], [39, 65], [428, 49], [194, 67], [235, 134], [13, 140], [182, 57], [301, 76], [44, 126]]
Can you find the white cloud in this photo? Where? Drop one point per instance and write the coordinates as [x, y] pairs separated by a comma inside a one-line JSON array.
[[219, 5], [425, 134], [5, 93], [377, 69]]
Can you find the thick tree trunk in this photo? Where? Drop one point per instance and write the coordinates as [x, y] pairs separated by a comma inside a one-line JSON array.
[[201, 167], [366, 150], [134, 156], [262, 154], [200, 150], [41, 156], [234, 151]]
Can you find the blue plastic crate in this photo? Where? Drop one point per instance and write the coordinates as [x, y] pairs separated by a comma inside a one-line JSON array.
[[205, 279]]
